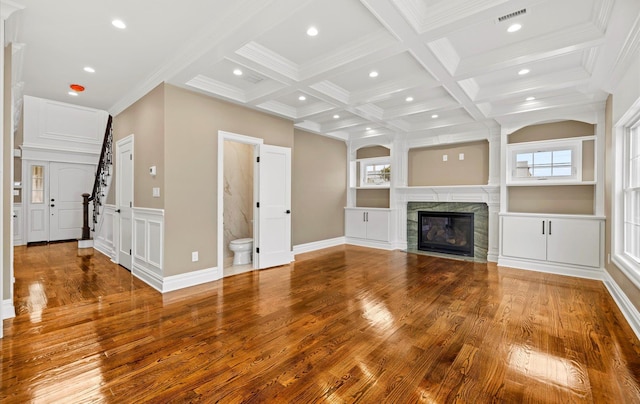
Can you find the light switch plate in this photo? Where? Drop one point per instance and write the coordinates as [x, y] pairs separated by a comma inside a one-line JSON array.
[[156, 192], [194, 256]]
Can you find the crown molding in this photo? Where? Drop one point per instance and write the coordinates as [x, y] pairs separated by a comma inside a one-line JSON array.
[[627, 55], [602, 10], [9, 7], [445, 52], [271, 60], [437, 104], [332, 90], [217, 88], [314, 109], [279, 108], [555, 44], [588, 113]]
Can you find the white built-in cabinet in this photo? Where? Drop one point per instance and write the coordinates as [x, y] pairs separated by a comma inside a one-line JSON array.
[[370, 224], [559, 239]]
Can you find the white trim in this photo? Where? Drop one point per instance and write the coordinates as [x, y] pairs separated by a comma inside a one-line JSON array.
[[629, 311], [222, 136], [189, 279], [57, 154], [381, 245], [8, 310], [318, 245], [553, 268], [146, 275], [85, 243]]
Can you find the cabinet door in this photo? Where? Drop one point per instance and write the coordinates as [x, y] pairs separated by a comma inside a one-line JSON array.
[[574, 241], [524, 237], [355, 224], [378, 225]]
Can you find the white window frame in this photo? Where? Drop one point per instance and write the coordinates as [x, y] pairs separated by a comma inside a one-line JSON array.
[[573, 144], [627, 126], [363, 163]]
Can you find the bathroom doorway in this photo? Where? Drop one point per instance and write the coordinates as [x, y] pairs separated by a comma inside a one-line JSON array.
[[236, 174]]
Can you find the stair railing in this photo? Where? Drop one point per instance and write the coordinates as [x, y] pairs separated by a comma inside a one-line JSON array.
[[102, 173]]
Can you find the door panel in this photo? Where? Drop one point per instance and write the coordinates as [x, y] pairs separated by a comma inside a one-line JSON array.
[[274, 214], [355, 223], [377, 225], [67, 184], [574, 242], [124, 199], [524, 237]]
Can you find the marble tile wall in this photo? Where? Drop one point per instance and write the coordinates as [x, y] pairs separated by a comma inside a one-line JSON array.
[[238, 194], [480, 223]]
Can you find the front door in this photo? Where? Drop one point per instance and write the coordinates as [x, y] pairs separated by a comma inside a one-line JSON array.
[[67, 183], [274, 213], [124, 199], [54, 199]]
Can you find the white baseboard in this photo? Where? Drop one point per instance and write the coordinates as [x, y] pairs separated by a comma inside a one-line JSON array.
[[149, 277], [624, 304], [553, 268], [318, 245], [176, 282], [105, 249], [381, 245], [8, 310]]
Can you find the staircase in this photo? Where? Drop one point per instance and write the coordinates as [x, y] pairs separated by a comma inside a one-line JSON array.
[[101, 186]]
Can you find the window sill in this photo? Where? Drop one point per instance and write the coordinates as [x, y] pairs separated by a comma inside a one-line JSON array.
[[628, 267]]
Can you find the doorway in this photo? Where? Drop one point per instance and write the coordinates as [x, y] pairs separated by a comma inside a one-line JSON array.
[[124, 201], [54, 199], [271, 203]]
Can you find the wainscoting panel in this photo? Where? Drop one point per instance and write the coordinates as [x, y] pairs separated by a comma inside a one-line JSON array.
[[148, 246], [103, 236]]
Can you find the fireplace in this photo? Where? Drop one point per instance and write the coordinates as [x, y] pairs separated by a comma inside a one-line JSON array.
[[446, 232]]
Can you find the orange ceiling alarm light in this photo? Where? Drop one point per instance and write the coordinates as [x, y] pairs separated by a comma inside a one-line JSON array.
[[77, 87]]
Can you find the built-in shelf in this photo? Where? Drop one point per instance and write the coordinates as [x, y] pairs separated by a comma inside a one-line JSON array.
[[374, 187]]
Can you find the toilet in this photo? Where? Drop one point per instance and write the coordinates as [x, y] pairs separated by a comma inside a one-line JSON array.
[[242, 249]]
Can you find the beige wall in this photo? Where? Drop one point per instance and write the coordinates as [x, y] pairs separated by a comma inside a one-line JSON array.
[[571, 200], [549, 131], [568, 200], [373, 198], [7, 212], [632, 292], [426, 167], [192, 122], [372, 151], [319, 183], [145, 120]]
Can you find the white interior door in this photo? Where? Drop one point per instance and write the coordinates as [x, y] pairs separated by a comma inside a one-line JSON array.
[[124, 199], [37, 195], [273, 244], [67, 183]]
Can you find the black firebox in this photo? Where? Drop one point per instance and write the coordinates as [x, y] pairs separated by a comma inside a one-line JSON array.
[[446, 232]]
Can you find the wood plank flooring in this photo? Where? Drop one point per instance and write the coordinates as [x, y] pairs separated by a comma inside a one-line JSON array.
[[346, 324]]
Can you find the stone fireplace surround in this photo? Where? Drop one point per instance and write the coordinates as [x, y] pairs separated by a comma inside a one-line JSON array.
[[480, 224]]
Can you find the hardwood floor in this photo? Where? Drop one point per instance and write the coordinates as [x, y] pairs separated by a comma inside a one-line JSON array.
[[346, 324]]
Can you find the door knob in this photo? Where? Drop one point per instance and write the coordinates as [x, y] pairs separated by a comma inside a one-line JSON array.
[[288, 212], [53, 206], [117, 210], [53, 200]]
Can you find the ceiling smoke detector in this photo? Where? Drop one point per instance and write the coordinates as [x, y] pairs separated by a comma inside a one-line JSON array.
[[511, 15]]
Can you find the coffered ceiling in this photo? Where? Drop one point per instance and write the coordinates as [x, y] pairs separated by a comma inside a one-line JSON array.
[[440, 66]]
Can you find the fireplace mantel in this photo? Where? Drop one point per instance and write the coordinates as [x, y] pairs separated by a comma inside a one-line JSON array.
[[489, 194]]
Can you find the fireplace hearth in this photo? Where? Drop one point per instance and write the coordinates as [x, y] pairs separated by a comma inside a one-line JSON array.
[[446, 232]]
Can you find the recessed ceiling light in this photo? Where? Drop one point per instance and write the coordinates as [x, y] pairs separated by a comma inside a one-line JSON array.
[[119, 24], [531, 98], [523, 72], [434, 116], [408, 99], [89, 69], [302, 98], [312, 31], [368, 128], [373, 74], [336, 116], [514, 28], [237, 72], [73, 93]]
